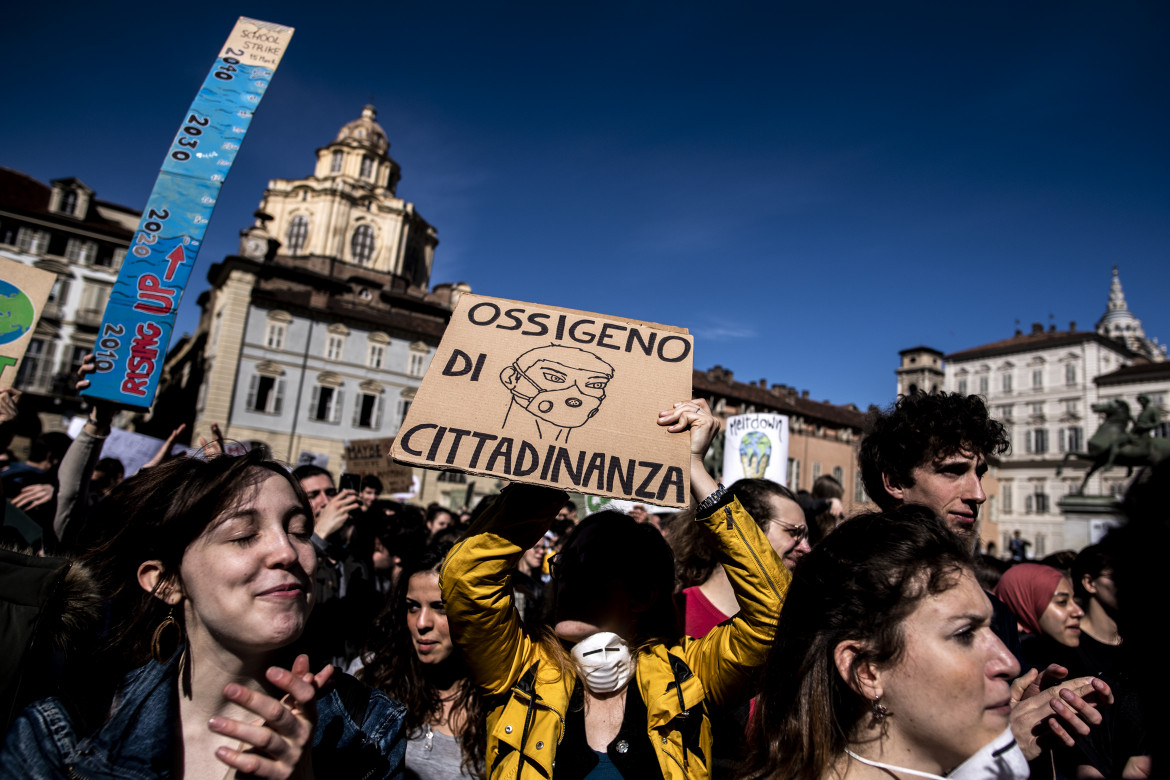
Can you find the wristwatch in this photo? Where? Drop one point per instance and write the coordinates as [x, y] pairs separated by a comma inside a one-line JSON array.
[[711, 500]]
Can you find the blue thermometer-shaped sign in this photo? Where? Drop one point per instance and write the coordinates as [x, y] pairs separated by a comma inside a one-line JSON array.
[[144, 302]]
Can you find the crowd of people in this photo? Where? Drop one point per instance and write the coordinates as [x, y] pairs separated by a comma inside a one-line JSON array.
[[221, 615]]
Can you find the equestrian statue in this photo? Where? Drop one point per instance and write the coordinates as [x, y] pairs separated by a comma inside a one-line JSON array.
[[1118, 443]]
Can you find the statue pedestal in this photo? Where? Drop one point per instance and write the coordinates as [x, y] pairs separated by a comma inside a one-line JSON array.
[[1088, 518]]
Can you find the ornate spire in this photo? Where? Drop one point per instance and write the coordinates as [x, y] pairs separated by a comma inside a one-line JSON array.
[[1120, 324]]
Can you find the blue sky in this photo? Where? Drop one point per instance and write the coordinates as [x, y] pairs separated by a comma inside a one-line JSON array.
[[807, 187]]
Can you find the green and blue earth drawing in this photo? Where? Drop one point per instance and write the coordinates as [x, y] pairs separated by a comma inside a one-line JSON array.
[[755, 450], [17, 314]]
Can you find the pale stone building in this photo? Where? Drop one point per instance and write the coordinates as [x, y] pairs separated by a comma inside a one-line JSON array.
[[64, 228], [1042, 385], [319, 331]]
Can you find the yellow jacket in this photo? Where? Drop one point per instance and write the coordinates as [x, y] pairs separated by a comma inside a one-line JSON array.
[[676, 682]]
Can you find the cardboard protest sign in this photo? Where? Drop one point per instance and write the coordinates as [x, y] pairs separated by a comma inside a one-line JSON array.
[[372, 457], [23, 292], [554, 397], [755, 446], [144, 302]]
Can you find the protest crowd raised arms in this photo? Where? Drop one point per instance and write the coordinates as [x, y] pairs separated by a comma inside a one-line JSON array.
[[441, 534]]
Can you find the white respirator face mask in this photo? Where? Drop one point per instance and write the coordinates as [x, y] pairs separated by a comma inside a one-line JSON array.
[[999, 759], [604, 661]]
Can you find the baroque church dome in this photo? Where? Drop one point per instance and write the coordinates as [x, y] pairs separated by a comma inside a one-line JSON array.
[[365, 131]]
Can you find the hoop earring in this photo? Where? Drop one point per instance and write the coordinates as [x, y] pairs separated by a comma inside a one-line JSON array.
[[880, 711], [157, 641]]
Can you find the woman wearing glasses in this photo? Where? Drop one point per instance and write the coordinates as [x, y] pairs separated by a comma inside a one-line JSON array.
[[779, 516], [616, 691]]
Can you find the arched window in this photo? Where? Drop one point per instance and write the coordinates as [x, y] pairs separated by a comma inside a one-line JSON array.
[[362, 244], [298, 231]]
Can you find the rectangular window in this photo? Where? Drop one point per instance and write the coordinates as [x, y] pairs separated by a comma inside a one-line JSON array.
[[274, 339], [1038, 379], [1039, 441], [59, 294], [266, 394], [962, 389], [858, 488], [793, 473], [1005, 412], [1006, 498], [80, 251], [1041, 503], [367, 171], [1071, 407], [816, 473], [32, 240], [334, 345], [1036, 409], [403, 408], [106, 259], [335, 165], [93, 299], [839, 475], [36, 368], [984, 382], [375, 356], [1029, 502], [1070, 374], [325, 406], [1007, 383], [1076, 439], [367, 411], [418, 363]]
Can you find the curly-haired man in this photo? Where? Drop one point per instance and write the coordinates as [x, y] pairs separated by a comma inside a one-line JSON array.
[[932, 450]]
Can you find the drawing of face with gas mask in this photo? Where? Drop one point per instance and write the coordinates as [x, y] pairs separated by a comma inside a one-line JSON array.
[[561, 387]]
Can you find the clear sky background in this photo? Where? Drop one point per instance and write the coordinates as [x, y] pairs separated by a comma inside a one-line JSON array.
[[808, 187]]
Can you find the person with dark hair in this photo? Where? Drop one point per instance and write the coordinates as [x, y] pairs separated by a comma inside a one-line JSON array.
[[615, 690], [569, 512], [106, 475], [371, 489], [207, 582], [439, 518], [779, 516], [412, 658], [932, 450], [529, 582], [332, 631], [1096, 590], [884, 662], [821, 523]]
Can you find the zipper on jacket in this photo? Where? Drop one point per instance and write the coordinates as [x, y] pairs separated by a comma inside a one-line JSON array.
[[760, 564], [550, 708], [671, 756]]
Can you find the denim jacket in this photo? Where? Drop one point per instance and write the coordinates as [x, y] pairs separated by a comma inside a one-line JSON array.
[[358, 734]]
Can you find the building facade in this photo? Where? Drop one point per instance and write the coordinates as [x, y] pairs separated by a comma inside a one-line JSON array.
[[64, 228], [320, 330], [1041, 385], [822, 437]]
